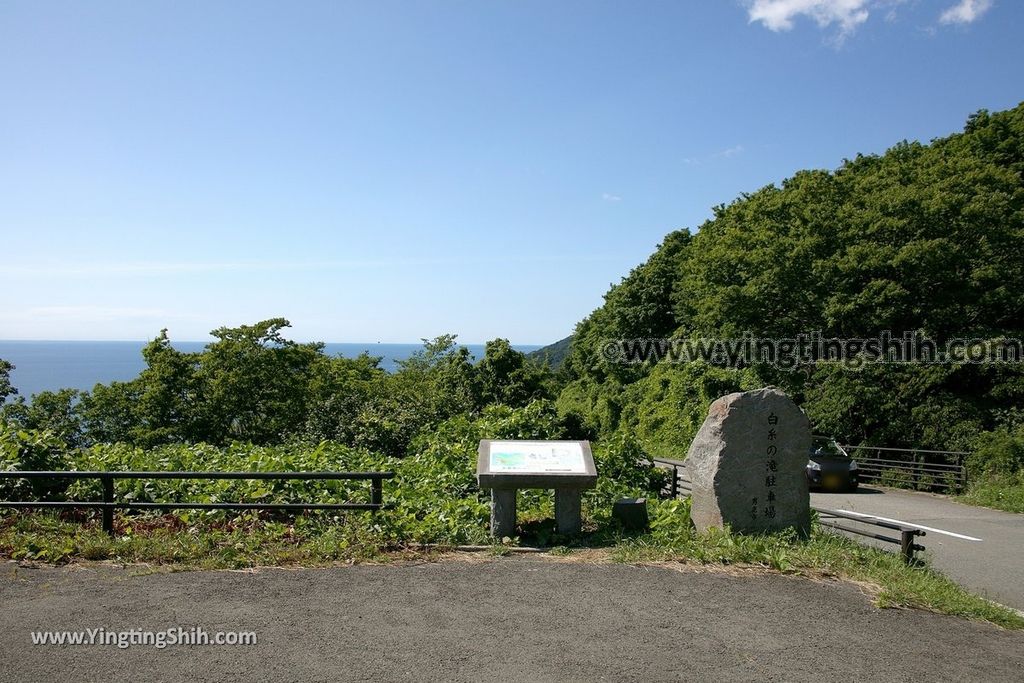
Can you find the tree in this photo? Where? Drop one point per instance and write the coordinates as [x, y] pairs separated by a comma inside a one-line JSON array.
[[56, 412], [340, 389], [6, 388], [253, 384], [109, 413], [509, 377], [433, 384], [167, 407]]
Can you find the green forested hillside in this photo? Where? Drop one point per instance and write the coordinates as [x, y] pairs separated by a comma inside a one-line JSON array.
[[926, 238], [552, 355]]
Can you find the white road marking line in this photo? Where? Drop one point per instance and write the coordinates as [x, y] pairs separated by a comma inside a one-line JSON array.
[[919, 526]]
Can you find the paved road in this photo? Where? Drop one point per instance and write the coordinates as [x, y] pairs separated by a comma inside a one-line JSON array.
[[992, 566], [511, 619]]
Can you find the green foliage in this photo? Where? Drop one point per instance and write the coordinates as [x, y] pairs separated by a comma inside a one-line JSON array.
[[594, 408], [1002, 492], [340, 391], [434, 493], [621, 474], [552, 355], [896, 478], [443, 502], [998, 453], [6, 388], [641, 306], [110, 414], [53, 411], [22, 449], [995, 466], [253, 385], [250, 384], [236, 457], [434, 384], [667, 407], [922, 239], [240, 543], [508, 376]]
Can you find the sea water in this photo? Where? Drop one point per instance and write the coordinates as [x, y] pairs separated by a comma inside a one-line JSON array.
[[54, 365]]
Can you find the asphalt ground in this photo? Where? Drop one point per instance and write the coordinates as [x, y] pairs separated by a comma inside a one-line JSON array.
[[980, 548], [506, 619]]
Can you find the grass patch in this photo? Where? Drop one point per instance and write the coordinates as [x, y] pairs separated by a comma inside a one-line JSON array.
[[1004, 493], [321, 540], [242, 543]]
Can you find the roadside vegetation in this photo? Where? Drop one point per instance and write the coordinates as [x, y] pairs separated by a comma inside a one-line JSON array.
[[996, 470], [1000, 493], [923, 239], [436, 506]]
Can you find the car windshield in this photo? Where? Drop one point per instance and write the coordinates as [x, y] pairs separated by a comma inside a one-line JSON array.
[[828, 450]]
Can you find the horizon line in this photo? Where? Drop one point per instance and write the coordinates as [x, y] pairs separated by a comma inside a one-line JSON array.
[[211, 341]]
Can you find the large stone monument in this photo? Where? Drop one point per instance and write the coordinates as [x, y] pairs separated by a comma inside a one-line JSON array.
[[748, 464]]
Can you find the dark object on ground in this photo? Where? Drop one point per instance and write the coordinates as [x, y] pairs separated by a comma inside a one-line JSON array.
[[631, 513]]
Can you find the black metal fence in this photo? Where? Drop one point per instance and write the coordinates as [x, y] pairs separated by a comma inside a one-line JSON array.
[[680, 486], [109, 502], [912, 468]]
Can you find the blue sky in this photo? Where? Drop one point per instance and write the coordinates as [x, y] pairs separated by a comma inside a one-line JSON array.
[[398, 170]]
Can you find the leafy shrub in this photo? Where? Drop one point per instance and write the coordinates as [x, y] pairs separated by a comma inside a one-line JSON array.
[[1000, 452], [896, 478], [26, 449], [1003, 492]]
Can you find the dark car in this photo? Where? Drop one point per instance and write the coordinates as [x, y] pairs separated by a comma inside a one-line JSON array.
[[830, 468]]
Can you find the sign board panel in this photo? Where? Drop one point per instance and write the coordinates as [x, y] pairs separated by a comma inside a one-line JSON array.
[[535, 464], [542, 457]]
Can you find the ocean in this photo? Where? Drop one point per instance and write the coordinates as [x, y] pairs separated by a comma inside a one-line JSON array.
[[54, 365]]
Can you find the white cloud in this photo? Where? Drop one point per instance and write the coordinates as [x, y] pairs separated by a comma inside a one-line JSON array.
[[729, 153], [779, 15], [609, 197], [965, 11], [847, 15]]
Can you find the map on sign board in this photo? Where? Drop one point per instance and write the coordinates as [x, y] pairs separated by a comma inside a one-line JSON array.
[[537, 456]]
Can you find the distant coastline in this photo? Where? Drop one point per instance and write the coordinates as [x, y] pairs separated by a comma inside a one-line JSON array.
[[52, 365]]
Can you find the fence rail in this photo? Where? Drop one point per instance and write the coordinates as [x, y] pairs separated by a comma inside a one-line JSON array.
[[679, 486], [109, 503], [918, 468]]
